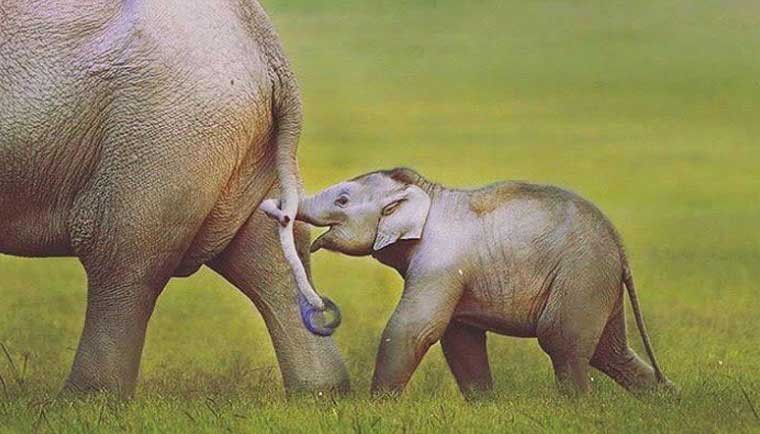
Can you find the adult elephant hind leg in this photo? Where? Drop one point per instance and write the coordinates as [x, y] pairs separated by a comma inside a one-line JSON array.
[[108, 356], [615, 358], [467, 356], [130, 231], [255, 264], [125, 275]]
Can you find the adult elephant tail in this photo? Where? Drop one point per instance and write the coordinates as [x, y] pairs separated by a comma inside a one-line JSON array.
[[633, 296], [288, 118]]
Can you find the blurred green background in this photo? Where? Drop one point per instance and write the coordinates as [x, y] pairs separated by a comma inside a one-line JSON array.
[[649, 108]]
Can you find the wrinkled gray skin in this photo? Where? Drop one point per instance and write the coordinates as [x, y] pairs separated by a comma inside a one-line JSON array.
[[140, 136], [513, 258]]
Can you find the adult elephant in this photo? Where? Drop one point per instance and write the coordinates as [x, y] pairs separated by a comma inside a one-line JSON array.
[[140, 136]]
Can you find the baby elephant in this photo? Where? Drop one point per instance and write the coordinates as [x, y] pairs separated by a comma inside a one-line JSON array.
[[512, 258]]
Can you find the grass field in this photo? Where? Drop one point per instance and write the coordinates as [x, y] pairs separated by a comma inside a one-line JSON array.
[[650, 108]]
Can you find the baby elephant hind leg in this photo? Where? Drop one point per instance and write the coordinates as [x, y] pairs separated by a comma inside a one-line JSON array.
[[571, 373], [570, 328], [615, 358], [570, 347], [465, 350]]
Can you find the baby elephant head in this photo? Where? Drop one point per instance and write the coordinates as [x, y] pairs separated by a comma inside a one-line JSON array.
[[368, 213]]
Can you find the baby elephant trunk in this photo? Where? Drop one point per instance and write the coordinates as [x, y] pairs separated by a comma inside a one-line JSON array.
[[309, 211], [315, 310]]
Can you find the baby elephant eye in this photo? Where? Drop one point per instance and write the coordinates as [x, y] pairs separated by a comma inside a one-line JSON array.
[[341, 201]]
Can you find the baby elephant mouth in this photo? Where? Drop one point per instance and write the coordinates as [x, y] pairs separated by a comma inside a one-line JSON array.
[[321, 241]]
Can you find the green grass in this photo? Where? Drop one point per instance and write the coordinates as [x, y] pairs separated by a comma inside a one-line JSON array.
[[648, 108]]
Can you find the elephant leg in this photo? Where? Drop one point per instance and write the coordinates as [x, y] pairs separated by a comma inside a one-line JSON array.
[[571, 373], [466, 354], [419, 321], [255, 264], [130, 231], [570, 327], [570, 356], [108, 356], [128, 256], [615, 358]]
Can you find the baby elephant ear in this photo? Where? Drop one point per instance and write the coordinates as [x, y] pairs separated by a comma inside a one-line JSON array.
[[403, 217]]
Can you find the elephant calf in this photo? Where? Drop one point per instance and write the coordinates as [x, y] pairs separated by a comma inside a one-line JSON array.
[[512, 258]]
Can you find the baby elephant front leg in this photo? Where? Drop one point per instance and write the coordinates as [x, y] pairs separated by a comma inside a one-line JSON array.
[[419, 321]]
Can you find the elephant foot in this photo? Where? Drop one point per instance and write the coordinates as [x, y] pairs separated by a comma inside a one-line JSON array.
[[88, 383]]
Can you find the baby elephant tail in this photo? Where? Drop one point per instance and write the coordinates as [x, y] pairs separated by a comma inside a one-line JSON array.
[[628, 280]]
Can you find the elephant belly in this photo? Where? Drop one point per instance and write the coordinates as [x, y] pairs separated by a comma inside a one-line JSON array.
[[44, 162], [32, 228], [508, 312]]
